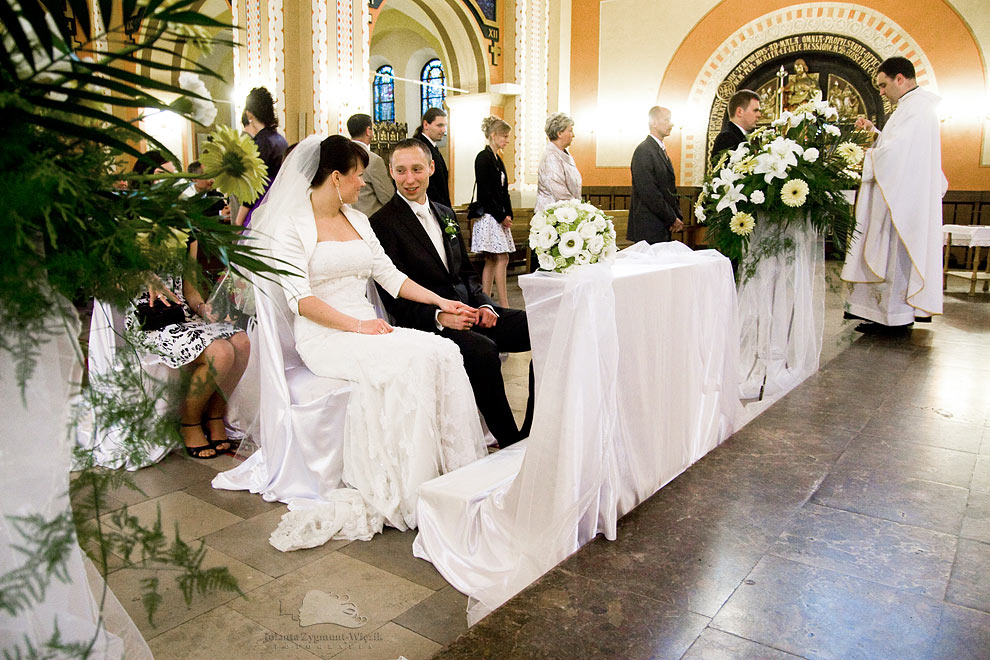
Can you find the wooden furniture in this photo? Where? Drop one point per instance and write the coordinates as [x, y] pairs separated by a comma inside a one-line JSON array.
[[973, 238]]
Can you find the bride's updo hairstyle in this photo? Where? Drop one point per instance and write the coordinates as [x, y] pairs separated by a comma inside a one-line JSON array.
[[338, 154]]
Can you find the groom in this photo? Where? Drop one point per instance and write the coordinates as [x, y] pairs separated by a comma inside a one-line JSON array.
[[423, 241]]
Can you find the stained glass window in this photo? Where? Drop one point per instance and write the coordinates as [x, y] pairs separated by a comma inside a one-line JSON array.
[[432, 93], [384, 94]]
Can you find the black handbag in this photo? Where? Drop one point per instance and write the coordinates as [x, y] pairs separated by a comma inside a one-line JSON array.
[[475, 209], [156, 317]]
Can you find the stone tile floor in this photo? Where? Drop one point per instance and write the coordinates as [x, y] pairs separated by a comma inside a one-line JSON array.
[[850, 520]]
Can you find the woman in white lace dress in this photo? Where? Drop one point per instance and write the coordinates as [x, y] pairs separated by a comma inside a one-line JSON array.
[[411, 415], [558, 178]]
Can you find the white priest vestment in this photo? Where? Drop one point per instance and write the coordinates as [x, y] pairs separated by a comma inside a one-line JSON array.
[[895, 259]]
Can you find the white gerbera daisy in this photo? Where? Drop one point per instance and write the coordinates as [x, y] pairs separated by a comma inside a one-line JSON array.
[[794, 193], [742, 223]]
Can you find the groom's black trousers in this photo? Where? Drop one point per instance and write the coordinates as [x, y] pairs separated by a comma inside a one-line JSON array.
[[480, 348]]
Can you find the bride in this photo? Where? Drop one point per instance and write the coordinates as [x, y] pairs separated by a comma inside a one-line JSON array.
[[411, 414]]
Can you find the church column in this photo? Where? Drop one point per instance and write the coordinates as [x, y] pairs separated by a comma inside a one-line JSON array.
[[341, 62], [259, 57], [532, 32]]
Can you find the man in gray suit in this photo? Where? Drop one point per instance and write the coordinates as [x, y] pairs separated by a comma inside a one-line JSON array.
[[378, 187], [654, 210]]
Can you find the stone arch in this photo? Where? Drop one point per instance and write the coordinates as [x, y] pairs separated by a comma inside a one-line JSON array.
[[864, 24], [456, 33]]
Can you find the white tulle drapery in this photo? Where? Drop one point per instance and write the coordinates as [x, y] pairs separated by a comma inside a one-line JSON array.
[[636, 380], [108, 349], [34, 481], [782, 312]]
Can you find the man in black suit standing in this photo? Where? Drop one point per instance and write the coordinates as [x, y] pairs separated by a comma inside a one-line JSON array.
[[423, 241], [654, 211], [431, 130], [744, 112]]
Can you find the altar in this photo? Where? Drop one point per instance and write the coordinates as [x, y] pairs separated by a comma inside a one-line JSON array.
[[636, 379]]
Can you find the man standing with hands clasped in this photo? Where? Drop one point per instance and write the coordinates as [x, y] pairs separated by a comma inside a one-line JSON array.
[[654, 211], [423, 240], [895, 258]]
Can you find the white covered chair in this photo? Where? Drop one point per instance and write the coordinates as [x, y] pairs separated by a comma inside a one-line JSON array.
[[294, 416], [109, 353]]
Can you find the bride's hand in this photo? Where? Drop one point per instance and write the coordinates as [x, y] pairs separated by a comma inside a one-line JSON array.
[[373, 327], [455, 307]]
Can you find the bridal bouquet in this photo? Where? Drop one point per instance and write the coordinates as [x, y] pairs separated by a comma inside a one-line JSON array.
[[794, 170], [571, 233]]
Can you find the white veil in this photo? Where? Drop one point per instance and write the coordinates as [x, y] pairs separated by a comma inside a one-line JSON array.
[[288, 195]]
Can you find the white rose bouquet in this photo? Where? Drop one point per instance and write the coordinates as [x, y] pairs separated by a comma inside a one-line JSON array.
[[794, 170], [569, 234]]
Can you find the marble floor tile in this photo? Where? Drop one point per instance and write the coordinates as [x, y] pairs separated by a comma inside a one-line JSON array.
[[908, 558], [981, 475], [816, 613], [193, 517], [127, 584], [568, 616], [690, 565], [969, 584], [441, 617], [172, 473], [928, 406], [853, 418], [935, 432], [964, 634], [392, 551], [717, 645], [358, 596], [247, 541], [976, 523], [771, 437], [238, 502], [388, 643], [904, 500], [224, 634], [885, 457]]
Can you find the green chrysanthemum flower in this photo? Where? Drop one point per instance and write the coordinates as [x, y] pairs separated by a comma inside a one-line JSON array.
[[235, 164]]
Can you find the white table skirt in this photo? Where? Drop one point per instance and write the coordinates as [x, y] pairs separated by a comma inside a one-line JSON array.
[[636, 380]]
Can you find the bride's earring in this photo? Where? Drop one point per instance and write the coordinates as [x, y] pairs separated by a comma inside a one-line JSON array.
[[339, 198]]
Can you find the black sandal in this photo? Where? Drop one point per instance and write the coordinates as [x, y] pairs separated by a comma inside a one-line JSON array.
[[197, 452], [217, 444]]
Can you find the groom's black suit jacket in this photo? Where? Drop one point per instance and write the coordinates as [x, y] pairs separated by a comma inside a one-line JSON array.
[[409, 247]]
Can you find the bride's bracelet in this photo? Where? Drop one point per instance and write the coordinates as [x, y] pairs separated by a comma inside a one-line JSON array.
[[359, 327]]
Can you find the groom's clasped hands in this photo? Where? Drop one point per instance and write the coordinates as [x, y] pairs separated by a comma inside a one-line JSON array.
[[456, 315]]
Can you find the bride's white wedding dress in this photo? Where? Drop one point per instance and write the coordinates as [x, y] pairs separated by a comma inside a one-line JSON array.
[[411, 414]]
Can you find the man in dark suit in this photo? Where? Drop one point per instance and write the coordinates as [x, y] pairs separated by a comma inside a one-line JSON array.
[[422, 239], [744, 112], [654, 211], [431, 130]]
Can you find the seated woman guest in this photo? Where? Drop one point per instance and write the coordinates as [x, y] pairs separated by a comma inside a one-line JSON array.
[[173, 321], [558, 178], [410, 413], [492, 232]]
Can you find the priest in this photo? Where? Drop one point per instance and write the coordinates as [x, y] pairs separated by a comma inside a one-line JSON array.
[[894, 261]]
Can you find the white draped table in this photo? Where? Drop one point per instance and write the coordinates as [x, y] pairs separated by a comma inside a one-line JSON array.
[[636, 380]]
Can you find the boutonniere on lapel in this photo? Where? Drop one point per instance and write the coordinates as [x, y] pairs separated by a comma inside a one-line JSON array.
[[449, 226]]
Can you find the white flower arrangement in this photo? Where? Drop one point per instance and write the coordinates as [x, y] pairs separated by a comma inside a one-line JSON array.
[[569, 234], [793, 170]]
